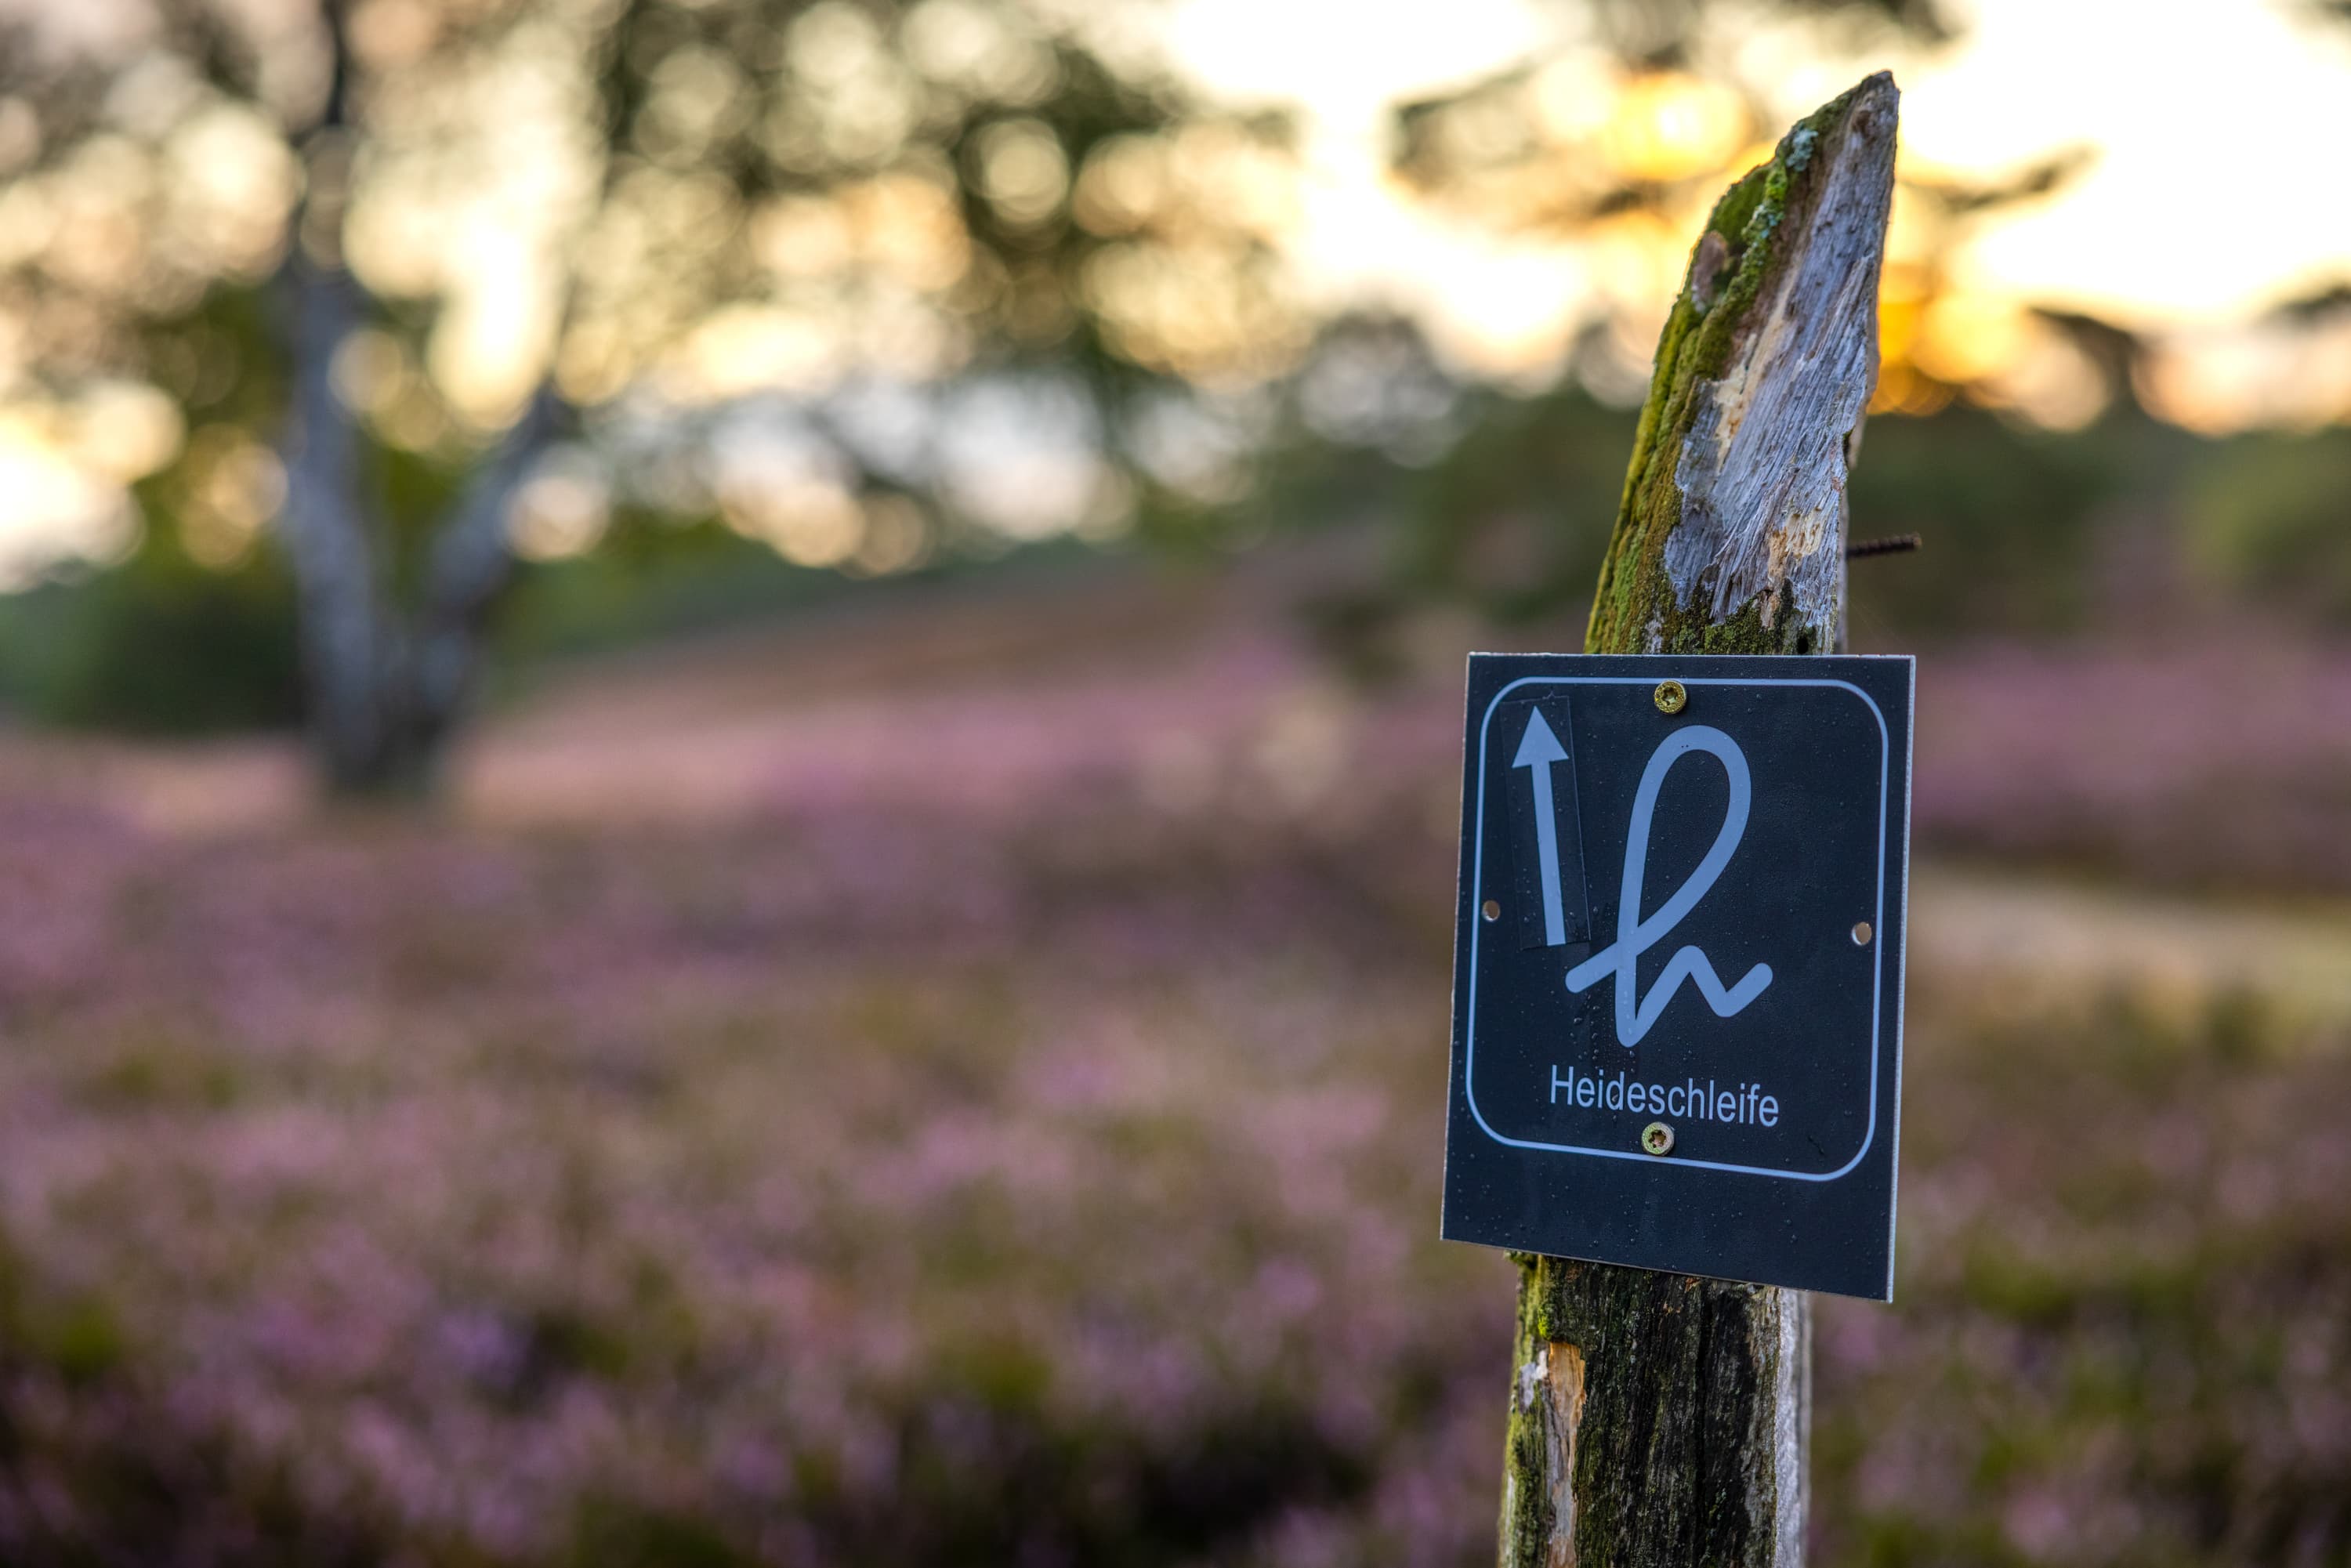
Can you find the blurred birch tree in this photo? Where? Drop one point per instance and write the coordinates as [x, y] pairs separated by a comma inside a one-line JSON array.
[[365, 268]]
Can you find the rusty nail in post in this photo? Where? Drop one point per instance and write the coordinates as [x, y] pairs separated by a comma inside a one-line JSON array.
[[1900, 544], [1658, 1138], [1671, 697]]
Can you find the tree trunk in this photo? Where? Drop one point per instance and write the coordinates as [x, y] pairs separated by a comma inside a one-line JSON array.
[[384, 687], [1660, 1419], [346, 630], [472, 565]]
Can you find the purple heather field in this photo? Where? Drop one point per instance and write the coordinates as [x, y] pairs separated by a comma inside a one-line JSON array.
[[963, 1085]]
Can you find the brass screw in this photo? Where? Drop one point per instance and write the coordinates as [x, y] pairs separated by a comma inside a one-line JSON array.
[[1861, 934], [1658, 1138], [1671, 697], [1493, 910]]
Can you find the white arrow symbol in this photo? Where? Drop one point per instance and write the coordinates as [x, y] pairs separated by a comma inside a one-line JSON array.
[[1538, 749]]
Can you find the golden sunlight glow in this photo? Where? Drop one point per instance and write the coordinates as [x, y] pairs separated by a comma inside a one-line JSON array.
[[231, 183], [895, 537], [1903, 290], [1191, 309], [236, 486], [977, 48], [1514, 320], [808, 521], [2284, 374], [387, 33], [745, 347], [2050, 379], [1961, 337], [803, 237], [122, 431], [58, 509], [563, 510], [20, 134], [1023, 171], [1124, 185], [478, 212], [2180, 228], [490, 344], [479, 181], [2219, 128], [907, 225], [1671, 125]]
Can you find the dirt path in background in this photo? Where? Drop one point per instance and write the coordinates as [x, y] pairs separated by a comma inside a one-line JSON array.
[[2016, 928]]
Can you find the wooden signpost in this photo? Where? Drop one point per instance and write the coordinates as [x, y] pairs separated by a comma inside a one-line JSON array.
[[1661, 1417]]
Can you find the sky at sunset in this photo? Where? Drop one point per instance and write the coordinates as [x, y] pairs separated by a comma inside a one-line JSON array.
[[2216, 127]]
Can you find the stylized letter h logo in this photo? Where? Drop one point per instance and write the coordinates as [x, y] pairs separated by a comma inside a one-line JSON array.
[[1635, 935]]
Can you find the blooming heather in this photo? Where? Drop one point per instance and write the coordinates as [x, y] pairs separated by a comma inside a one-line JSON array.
[[994, 1116]]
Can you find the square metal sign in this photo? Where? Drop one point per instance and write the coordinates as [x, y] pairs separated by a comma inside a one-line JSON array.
[[1678, 968]]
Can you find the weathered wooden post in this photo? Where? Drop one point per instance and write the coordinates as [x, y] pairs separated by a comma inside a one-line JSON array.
[[1662, 1418]]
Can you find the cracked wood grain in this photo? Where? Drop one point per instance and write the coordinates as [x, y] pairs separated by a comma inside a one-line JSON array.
[[1732, 524]]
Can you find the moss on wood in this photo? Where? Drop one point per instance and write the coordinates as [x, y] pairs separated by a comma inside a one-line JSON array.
[[1747, 243], [1672, 1454]]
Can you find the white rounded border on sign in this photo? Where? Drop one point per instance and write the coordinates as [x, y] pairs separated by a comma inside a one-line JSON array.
[[1878, 973]]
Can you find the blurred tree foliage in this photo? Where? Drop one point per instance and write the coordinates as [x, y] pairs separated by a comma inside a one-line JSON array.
[[2272, 513], [384, 254], [195, 631], [1535, 148], [1514, 520], [158, 645], [2008, 515], [1511, 522], [683, 298]]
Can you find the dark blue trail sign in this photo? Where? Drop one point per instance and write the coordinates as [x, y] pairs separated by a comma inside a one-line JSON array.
[[1678, 974]]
